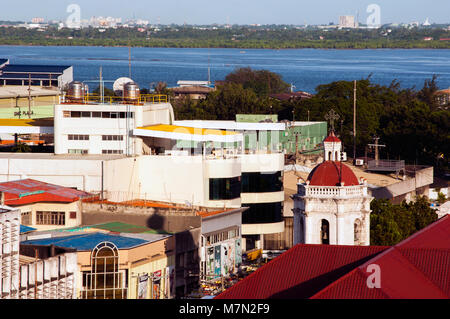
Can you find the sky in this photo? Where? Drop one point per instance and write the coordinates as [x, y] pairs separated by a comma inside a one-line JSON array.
[[297, 12]]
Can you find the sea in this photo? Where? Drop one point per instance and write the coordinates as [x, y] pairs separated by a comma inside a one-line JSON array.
[[304, 69]]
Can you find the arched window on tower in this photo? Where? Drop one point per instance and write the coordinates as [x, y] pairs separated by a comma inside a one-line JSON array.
[[329, 156], [357, 232], [336, 156], [325, 232]]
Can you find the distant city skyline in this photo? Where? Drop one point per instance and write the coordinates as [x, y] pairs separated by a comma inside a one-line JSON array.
[[296, 12]]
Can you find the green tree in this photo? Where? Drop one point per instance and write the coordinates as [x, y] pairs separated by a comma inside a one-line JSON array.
[[390, 224], [262, 82]]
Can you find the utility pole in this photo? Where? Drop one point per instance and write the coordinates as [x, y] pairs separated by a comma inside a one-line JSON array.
[[29, 95], [354, 123], [376, 146]]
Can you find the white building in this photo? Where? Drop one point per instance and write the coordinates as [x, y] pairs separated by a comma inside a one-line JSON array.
[[347, 22], [130, 151], [332, 207], [26, 277]]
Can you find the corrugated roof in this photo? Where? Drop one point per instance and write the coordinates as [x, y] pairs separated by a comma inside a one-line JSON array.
[[25, 229], [89, 241], [33, 68], [416, 268], [119, 227], [301, 271], [28, 191]]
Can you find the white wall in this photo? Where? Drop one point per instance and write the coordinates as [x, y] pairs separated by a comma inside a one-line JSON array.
[[84, 174]]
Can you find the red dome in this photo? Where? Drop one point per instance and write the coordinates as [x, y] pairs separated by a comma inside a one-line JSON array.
[[332, 138], [332, 174]]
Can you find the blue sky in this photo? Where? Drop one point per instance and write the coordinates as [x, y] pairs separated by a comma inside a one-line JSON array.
[[232, 11]]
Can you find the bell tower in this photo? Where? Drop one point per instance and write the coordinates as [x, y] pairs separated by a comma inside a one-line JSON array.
[[332, 148]]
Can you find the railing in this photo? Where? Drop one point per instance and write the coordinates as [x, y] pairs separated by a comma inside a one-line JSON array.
[[385, 165], [95, 99], [331, 191]]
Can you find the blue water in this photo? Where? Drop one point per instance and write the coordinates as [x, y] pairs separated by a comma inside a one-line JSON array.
[[304, 68]]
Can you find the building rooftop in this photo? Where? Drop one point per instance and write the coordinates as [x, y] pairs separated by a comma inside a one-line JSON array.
[[187, 133], [29, 191], [88, 241], [52, 156], [27, 126], [32, 68], [22, 91], [416, 268]]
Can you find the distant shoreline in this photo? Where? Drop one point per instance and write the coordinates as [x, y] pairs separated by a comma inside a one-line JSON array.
[[227, 47]]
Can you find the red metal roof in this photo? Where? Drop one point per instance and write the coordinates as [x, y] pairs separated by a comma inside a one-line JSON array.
[[416, 268], [332, 138], [29, 191], [331, 173], [301, 272]]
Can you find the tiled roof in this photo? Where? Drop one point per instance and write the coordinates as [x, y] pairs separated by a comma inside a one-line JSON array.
[[28, 191], [301, 272], [332, 138]]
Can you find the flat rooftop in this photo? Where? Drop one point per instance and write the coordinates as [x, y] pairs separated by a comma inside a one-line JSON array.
[[51, 156], [176, 132], [14, 91]]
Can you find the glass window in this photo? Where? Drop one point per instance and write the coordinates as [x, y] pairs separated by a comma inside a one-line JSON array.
[[106, 115], [85, 114], [224, 188], [75, 114], [96, 114], [262, 213], [262, 182]]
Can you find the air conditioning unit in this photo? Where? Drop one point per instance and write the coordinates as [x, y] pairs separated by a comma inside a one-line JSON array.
[[359, 162]]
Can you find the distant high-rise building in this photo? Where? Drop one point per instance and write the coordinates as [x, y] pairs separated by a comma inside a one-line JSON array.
[[347, 22], [427, 22], [37, 20]]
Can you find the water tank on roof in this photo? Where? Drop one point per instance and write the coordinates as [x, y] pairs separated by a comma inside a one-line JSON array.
[[131, 92], [76, 91]]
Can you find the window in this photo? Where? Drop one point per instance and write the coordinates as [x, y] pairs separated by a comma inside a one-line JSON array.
[[263, 213], [262, 182], [105, 281], [74, 137], [106, 115], [50, 218], [112, 151], [96, 114], [75, 114], [73, 215], [26, 218], [224, 188], [75, 151], [85, 114], [325, 232], [112, 137], [66, 113]]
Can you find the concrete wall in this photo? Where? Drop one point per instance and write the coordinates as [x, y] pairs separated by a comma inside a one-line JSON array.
[[82, 173], [67, 208], [406, 189]]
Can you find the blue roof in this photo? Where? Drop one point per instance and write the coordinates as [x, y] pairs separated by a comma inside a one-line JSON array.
[[25, 229], [26, 68], [88, 241]]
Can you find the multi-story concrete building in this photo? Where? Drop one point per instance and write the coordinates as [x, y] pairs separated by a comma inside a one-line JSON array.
[[32, 273]]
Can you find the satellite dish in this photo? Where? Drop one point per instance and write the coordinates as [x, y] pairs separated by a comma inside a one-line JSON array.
[[120, 82]]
